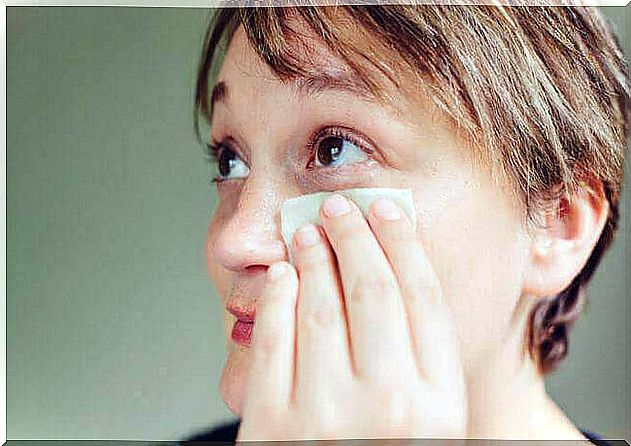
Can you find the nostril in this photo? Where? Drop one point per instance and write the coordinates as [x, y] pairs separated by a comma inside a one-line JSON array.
[[252, 269], [249, 254]]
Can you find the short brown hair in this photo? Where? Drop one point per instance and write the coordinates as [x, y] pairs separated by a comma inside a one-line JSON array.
[[542, 91]]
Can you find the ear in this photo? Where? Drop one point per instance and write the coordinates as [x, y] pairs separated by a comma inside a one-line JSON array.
[[560, 249]]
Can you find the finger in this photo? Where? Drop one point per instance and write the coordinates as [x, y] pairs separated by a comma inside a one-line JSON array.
[[432, 329], [322, 352], [376, 316], [273, 337]]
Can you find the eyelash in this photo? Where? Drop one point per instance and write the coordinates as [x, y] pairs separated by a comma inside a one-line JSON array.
[[339, 132], [213, 150]]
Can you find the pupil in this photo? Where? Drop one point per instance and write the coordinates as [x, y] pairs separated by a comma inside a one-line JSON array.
[[330, 149], [226, 161]]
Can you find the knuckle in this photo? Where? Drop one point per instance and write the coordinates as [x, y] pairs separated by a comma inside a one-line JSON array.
[[272, 300], [393, 233], [313, 259], [264, 343], [419, 284], [347, 230], [371, 288], [428, 292], [272, 306], [320, 316]]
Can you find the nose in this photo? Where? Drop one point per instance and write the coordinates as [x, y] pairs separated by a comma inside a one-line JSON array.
[[249, 239]]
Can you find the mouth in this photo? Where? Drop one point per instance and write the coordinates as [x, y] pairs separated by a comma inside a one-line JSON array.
[[242, 333], [242, 329]]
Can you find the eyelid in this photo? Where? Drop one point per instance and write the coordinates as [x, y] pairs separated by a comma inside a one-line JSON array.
[[213, 151], [342, 132], [231, 143]]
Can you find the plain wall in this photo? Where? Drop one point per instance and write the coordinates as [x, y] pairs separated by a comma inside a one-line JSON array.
[[113, 328]]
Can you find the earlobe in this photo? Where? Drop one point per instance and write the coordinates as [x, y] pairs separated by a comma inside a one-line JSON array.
[[560, 248]]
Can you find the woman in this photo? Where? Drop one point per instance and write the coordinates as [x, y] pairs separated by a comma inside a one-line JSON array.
[[509, 125]]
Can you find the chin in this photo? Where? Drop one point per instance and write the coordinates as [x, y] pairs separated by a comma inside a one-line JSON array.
[[234, 379]]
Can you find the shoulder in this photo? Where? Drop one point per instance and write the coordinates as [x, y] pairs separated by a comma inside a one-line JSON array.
[[226, 432], [594, 438]]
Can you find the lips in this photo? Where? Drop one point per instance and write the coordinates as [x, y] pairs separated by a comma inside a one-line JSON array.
[[242, 333], [242, 329], [243, 312]]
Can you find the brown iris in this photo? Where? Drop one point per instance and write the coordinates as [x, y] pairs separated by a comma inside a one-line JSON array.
[[329, 150]]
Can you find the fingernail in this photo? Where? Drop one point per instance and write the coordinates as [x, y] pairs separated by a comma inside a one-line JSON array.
[[385, 209], [307, 235], [276, 270], [335, 205]]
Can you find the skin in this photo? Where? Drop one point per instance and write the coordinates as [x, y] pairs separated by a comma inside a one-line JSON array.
[[455, 291]]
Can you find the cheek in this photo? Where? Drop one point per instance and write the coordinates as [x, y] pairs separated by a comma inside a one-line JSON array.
[[218, 275], [235, 372], [473, 239]]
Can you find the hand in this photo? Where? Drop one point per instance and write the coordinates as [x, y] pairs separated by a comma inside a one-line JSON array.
[[358, 342]]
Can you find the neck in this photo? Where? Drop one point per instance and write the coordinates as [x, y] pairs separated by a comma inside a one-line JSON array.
[[507, 396]]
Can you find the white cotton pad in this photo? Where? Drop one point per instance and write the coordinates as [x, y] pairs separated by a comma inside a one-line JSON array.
[[295, 212]]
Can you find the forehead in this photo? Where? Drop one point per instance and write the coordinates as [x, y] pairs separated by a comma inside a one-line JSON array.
[[289, 34], [242, 59], [318, 70], [407, 99]]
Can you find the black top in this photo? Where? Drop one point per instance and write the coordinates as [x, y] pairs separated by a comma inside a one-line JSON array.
[[228, 433]]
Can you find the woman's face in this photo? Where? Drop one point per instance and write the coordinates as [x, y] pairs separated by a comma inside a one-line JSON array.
[[286, 141]]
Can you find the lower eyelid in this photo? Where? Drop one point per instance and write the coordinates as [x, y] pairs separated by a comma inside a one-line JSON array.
[[357, 170]]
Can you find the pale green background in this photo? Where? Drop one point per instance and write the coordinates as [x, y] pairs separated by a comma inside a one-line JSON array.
[[113, 330]]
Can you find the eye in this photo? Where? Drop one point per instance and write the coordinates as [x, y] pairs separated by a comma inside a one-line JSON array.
[[336, 147], [227, 164]]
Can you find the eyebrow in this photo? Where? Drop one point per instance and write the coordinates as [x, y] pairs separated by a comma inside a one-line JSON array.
[[346, 83], [218, 94], [309, 86]]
